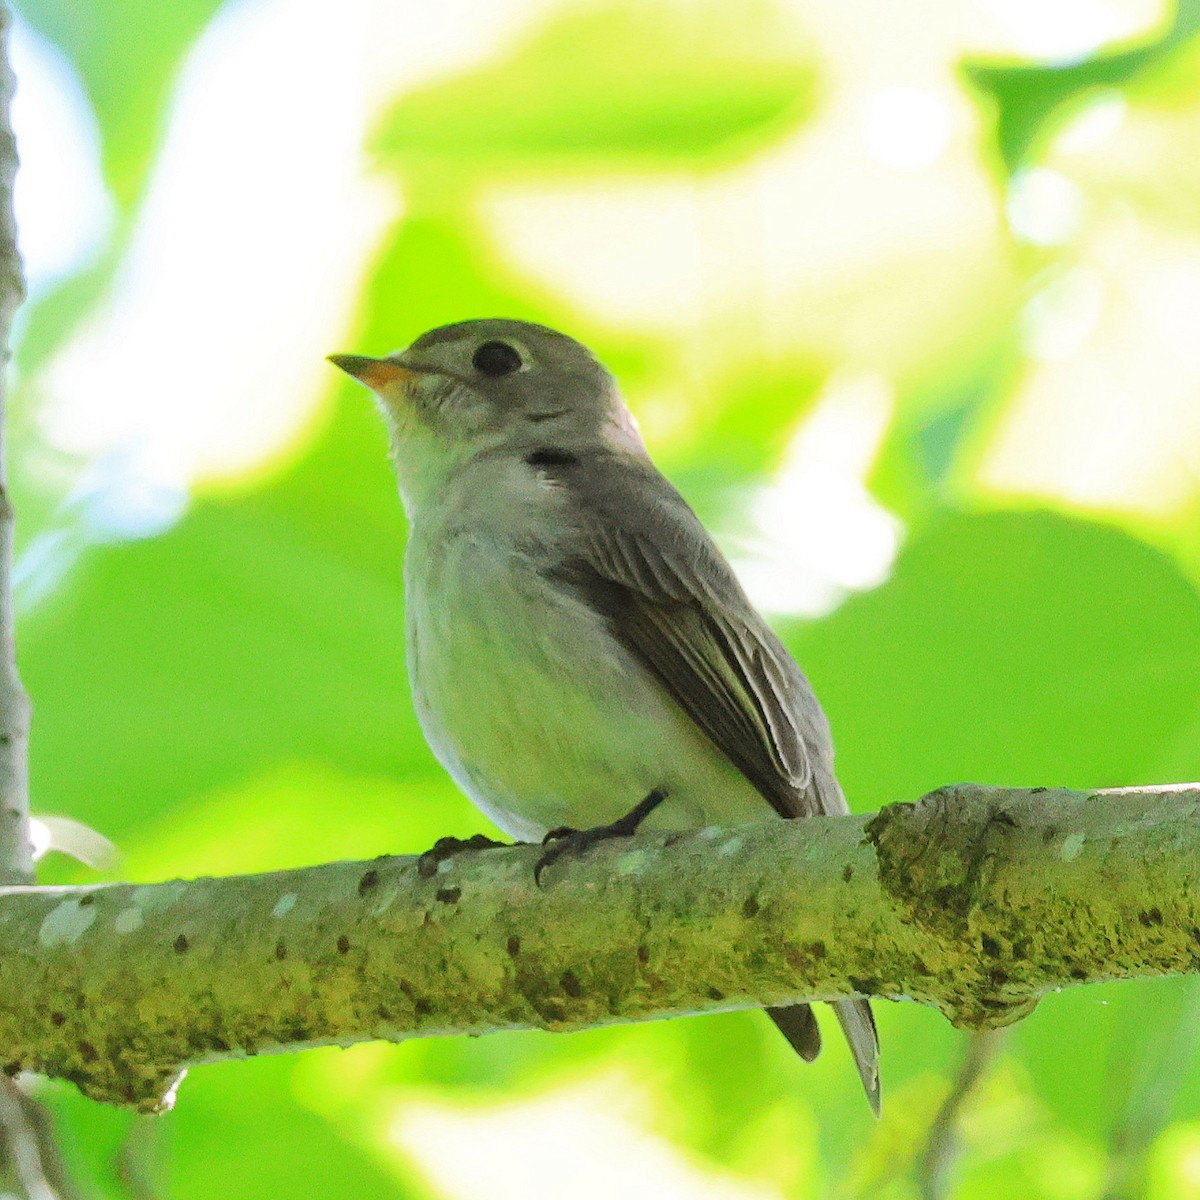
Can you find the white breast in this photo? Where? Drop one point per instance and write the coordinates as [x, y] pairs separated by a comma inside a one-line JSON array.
[[531, 705]]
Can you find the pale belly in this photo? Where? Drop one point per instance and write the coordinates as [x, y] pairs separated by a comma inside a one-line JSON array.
[[539, 716]]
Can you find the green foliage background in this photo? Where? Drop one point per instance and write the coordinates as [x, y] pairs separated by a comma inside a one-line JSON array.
[[229, 695]]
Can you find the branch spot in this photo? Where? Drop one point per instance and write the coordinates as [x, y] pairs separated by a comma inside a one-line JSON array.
[[513, 946], [280, 950], [643, 954], [750, 908], [369, 881], [990, 946], [88, 1052], [57, 1018], [715, 994], [343, 944], [571, 985], [449, 895], [181, 944], [1150, 917]]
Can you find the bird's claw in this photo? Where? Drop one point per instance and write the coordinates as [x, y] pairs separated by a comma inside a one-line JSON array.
[[565, 839]]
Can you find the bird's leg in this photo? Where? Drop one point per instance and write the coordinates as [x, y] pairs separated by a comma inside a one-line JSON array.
[[576, 841], [448, 847]]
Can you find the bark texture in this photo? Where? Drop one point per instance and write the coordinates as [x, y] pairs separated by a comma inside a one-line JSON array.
[[975, 900]]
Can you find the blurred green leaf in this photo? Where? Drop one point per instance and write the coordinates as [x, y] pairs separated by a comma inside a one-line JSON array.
[[658, 83], [1010, 647], [264, 628], [127, 53], [1028, 98], [247, 1136]]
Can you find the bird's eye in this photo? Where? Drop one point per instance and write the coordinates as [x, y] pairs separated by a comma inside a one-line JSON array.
[[496, 358]]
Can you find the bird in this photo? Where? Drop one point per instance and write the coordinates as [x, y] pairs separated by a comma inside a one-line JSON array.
[[580, 653]]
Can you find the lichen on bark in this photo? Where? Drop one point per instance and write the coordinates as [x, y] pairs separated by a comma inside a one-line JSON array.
[[975, 900]]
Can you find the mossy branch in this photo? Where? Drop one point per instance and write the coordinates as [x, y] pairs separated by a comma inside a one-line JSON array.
[[974, 900]]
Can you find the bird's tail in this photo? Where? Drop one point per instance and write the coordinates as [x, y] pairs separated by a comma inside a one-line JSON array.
[[798, 1024], [859, 1027]]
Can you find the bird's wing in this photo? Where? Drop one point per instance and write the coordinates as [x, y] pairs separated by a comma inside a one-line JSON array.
[[643, 560]]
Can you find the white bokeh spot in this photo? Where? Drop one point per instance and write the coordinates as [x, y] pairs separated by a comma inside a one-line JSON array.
[[1044, 207], [819, 534], [582, 1142], [63, 210], [907, 128]]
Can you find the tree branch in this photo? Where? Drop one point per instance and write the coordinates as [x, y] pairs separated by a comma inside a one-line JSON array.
[[16, 859], [974, 900]]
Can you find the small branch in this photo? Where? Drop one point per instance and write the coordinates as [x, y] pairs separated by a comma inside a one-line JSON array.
[[975, 900], [16, 860], [1147, 1071], [27, 1137], [137, 1159], [942, 1147]]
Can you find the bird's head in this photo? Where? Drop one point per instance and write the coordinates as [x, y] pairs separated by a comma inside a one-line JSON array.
[[491, 388]]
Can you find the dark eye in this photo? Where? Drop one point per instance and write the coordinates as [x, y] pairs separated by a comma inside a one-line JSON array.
[[496, 358]]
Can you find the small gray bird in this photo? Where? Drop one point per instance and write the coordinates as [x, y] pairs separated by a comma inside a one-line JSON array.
[[577, 645]]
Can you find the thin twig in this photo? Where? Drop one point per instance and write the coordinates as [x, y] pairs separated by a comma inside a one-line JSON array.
[[16, 857], [27, 1134], [1149, 1069], [137, 1165], [942, 1149]]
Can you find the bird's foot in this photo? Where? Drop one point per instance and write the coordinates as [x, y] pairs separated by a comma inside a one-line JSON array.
[[448, 847], [566, 840]]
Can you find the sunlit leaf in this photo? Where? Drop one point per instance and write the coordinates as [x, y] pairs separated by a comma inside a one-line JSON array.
[[659, 84]]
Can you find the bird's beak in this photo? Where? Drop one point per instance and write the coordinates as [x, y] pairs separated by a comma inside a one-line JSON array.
[[376, 373]]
